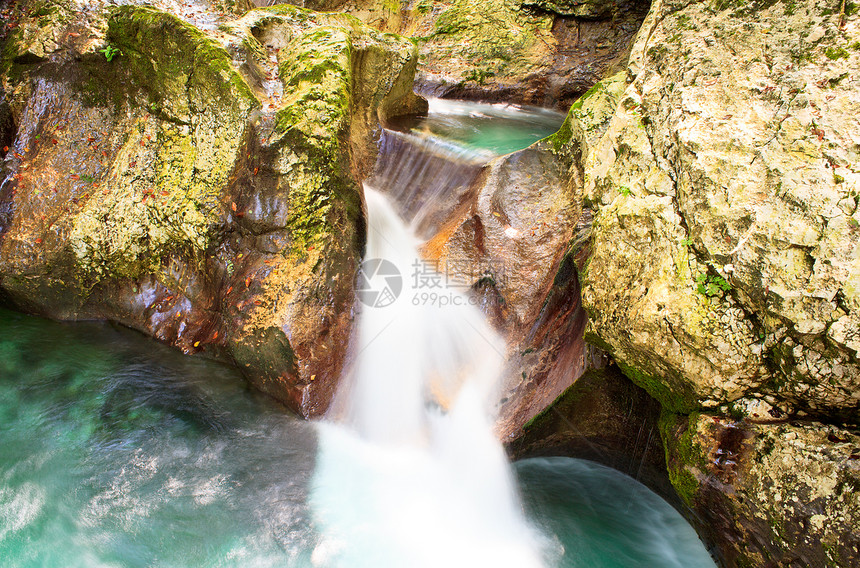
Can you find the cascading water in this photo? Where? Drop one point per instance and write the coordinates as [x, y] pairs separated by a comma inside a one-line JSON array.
[[413, 475], [116, 451], [416, 413]]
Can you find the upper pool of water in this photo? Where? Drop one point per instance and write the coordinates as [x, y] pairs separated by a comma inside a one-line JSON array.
[[487, 129]]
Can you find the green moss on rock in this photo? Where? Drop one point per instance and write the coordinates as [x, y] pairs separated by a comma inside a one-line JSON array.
[[678, 399], [683, 454], [181, 70], [163, 192]]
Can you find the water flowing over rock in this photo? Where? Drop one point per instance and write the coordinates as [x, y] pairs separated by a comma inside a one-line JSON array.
[[197, 185]]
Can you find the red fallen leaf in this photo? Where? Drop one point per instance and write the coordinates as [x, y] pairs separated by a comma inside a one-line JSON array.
[[239, 306], [256, 170], [247, 282], [132, 164], [165, 193], [142, 143], [240, 214], [233, 206], [148, 137], [103, 133], [104, 153], [75, 176], [230, 289], [74, 34], [90, 139], [5, 149], [19, 156], [215, 335], [310, 248], [54, 141], [38, 241], [257, 302]]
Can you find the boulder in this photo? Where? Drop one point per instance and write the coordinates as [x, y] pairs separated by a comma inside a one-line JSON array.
[[198, 185], [724, 250], [512, 51], [723, 264]]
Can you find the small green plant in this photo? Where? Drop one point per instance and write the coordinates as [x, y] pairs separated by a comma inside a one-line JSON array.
[[625, 191], [88, 178], [686, 242], [479, 76], [711, 285], [835, 53], [110, 52]]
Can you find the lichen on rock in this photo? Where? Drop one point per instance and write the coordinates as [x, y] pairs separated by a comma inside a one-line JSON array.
[[775, 493], [175, 159], [723, 260], [719, 182]]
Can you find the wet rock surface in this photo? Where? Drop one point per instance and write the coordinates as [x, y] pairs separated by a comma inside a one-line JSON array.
[[780, 494], [605, 418]]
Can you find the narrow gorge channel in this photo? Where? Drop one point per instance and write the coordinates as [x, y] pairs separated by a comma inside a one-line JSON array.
[[117, 451]]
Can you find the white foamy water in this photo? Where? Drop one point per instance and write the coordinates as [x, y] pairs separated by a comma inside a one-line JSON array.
[[412, 475]]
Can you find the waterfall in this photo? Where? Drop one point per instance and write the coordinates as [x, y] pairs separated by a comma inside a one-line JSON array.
[[412, 474]]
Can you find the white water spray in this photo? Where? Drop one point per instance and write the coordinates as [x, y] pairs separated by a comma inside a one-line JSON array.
[[413, 476]]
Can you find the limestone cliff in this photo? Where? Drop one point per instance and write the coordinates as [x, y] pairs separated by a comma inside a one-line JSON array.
[[724, 262]]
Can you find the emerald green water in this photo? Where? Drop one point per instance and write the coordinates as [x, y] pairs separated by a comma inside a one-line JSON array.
[[602, 518], [117, 451], [492, 129]]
